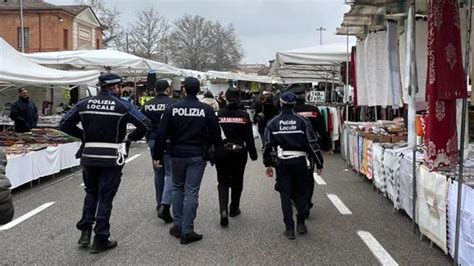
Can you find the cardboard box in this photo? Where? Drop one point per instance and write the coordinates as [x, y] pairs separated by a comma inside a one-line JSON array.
[[396, 138]]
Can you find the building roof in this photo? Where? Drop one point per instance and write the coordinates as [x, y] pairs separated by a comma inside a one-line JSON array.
[[14, 5], [32, 4], [75, 9]]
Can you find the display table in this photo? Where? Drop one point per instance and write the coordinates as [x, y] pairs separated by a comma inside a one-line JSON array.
[[30, 166]]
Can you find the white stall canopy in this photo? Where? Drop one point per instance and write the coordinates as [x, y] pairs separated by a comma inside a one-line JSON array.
[[310, 64], [241, 77], [18, 69], [328, 54], [102, 60]]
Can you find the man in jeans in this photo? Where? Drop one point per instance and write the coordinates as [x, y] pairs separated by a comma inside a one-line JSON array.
[[191, 127], [153, 109]]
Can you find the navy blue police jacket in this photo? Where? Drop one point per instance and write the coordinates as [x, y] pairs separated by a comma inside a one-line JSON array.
[[104, 120], [154, 109], [190, 126], [237, 127], [291, 132], [314, 116]]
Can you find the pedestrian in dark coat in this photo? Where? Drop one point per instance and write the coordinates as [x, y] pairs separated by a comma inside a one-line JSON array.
[[6, 202], [24, 112]]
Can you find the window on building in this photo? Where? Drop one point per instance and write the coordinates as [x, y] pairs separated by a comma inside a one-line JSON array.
[[27, 37], [65, 38], [97, 44]]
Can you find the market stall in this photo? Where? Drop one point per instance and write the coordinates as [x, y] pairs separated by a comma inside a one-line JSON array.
[[41, 152], [413, 55]]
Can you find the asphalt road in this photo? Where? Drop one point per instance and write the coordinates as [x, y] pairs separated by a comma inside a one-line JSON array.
[[368, 232]]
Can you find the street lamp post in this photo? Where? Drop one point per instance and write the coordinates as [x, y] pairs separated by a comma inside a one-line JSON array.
[[22, 33], [320, 29]]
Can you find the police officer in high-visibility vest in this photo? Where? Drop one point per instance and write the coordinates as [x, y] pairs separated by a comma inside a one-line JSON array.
[[289, 142], [104, 121], [154, 109], [316, 120], [191, 127], [231, 156]]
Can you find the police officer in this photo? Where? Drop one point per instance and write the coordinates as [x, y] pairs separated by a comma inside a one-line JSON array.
[[191, 127], [231, 156], [289, 141], [104, 119], [313, 114], [154, 109]]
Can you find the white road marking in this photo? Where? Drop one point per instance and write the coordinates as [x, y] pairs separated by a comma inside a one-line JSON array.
[[379, 252], [319, 180], [340, 206], [26, 216], [132, 158]]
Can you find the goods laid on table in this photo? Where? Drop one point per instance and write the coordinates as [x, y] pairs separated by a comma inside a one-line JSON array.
[[37, 139], [43, 121]]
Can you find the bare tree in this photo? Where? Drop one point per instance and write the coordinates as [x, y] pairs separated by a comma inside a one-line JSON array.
[[227, 51], [109, 17], [149, 34], [200, 44]]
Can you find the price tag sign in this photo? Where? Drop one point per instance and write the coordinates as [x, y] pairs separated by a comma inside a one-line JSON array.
[[317, 96]]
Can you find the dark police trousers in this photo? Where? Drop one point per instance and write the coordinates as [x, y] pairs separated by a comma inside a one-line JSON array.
[[291, 177], [309, 189], [101, 185], [230, 166]]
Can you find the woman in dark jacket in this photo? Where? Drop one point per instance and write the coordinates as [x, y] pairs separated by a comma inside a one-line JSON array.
[[265, 110], [6, 202]]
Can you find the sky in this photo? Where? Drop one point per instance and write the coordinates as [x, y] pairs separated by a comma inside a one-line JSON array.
[[263, 26]]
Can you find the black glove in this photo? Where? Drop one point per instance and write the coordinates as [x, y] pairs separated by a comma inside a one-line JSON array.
[[79, 152], [253, 156], [127, 146]]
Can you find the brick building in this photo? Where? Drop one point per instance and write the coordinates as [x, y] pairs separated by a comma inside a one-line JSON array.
[[50, 27]]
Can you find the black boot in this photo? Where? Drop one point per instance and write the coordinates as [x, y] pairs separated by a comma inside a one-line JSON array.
[[190, 238], [175, 231], [290, 232], [234, 213], [101, 245], [85, 239], [164, 213], [301, 227], [224, 218]]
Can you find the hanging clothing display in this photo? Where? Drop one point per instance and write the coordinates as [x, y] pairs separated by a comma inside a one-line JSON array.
[[361, 94], [432, 195], [421, 38], [411, 83], [377, 155], [466, 233], [446, 82], [394, 64], [352, 73]]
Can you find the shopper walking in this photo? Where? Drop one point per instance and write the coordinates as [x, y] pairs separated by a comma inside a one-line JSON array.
[[154, 109], [191, 127], [24, 112], [6, 203], [231, 157], [104, 121], [293, 141], [265, 110], [210, 100]]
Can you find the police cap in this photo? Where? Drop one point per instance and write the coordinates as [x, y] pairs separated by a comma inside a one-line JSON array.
[[296, 89], [109, 79], [288, 98], [161, 85], [192, 85]]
